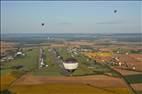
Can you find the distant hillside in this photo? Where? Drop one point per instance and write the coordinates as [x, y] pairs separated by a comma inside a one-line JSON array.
[[38, 38]]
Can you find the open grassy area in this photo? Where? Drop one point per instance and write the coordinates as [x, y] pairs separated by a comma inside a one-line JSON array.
[[66, 89], [64, 53], [137, 78], [52, 69], [28, 62]]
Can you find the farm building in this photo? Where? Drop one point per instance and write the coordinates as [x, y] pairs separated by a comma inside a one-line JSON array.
[[19, 53], [10, 58]]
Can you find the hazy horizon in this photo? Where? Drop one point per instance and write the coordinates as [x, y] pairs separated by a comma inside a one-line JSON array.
[[71, 33]]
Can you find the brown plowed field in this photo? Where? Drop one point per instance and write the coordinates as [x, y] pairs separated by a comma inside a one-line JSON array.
[[137, 87], [132, 60], [98, 80]]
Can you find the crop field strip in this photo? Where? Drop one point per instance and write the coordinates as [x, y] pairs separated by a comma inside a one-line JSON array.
[[53, 68], [137, 78], [66, 89]]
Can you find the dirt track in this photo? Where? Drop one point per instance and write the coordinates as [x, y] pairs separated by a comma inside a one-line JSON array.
[[98, 80]]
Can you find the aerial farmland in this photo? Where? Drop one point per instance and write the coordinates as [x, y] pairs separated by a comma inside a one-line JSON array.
[[71, 47], [41, 70]]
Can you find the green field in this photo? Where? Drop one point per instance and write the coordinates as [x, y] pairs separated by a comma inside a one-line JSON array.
[[52, 69], [28, 62], [137, 78]]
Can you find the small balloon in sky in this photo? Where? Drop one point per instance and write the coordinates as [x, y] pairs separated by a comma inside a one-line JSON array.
[[115, 11], [42, 24]]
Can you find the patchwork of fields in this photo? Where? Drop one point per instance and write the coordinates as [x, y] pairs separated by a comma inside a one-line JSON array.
[[54, 79]]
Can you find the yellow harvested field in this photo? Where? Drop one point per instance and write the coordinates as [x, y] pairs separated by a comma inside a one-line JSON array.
[[97, 80], [63, 85], [65, 89], [6, 80], [99, 84], [99, 54]]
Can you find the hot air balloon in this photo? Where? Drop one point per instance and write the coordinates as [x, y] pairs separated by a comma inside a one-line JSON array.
[[115, 11], [70, 65], [42, 24]]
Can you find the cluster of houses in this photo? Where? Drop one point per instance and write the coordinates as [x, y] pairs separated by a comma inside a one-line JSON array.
[[74, 51], [118, 62], [10, 57], [80, 49]]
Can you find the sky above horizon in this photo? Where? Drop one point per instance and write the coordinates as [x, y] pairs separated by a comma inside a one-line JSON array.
[[71, 16]]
